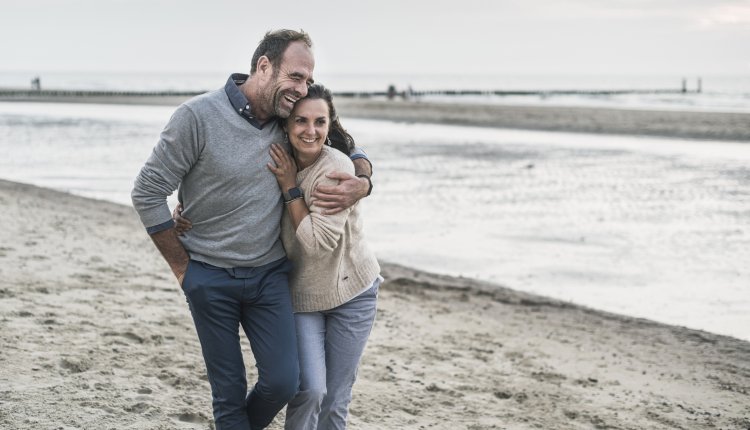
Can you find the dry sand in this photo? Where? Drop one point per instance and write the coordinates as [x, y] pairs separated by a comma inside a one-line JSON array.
[[96, 334]]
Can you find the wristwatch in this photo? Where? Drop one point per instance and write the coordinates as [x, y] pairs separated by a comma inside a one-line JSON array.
[[292, 194], [369, 191]]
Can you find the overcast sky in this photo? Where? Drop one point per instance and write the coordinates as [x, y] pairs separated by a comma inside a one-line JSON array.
[[395, 36]]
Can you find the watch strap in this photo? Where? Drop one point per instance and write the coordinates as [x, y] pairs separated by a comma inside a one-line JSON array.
[[369, 181]]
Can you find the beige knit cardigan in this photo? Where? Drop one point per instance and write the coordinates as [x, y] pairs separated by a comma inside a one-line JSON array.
[[332, 262]]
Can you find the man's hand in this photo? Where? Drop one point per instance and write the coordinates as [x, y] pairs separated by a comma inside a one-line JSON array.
[[181, 224], [174, 253], [335, 199], [181, 276]]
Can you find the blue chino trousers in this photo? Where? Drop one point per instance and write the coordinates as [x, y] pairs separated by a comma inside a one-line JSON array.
[[256, 299]]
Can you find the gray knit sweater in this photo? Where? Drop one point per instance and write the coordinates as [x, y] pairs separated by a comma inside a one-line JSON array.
[[218, 160], [332, 262]]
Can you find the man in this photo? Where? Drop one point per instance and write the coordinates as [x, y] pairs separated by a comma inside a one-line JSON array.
[[231, 265]]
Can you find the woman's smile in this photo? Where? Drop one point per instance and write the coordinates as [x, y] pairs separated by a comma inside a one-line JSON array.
[[307, 128]]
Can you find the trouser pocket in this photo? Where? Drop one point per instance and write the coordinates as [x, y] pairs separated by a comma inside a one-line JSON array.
[[186, 276]]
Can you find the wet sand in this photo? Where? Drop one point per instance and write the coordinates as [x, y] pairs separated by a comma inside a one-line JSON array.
[[679, 124], [96, 334]]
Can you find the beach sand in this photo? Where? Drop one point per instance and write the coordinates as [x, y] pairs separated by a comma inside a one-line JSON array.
[[96, 334], [678, 124], [663, 123]]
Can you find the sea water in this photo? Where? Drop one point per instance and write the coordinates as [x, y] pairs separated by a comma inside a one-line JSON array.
[[725, 93], [647, 227]]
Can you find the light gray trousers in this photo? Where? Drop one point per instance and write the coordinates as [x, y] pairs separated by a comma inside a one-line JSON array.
[[330, 345]]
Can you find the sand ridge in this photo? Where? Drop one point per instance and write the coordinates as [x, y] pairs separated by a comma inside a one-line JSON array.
[[724, 126], [639, 122]]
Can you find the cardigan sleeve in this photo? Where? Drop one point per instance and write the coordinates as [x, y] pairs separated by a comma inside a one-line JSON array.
[[318, 232]]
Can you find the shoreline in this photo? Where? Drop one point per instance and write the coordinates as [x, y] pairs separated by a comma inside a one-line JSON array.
[[698, 125], [570, 119], [97, 334]]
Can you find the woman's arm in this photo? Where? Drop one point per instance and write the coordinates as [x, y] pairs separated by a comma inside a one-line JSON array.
[[314, 229], [350, 188], [320, 231], [285, 171]]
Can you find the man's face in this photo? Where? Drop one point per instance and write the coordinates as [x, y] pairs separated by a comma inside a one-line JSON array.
[[290, 80]]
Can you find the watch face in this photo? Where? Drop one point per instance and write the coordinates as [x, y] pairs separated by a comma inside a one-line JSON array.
[[293, 193]]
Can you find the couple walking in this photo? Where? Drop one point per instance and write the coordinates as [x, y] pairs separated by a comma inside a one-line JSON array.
[[268, 237]]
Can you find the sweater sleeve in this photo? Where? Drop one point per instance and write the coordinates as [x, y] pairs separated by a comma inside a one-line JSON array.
[[172, 158], [318, 232]]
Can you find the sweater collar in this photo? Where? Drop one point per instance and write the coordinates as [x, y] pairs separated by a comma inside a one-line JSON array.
[[239, 102]]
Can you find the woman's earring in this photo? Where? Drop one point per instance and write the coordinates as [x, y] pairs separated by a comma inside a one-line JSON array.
[[328, 141], [286, 138]]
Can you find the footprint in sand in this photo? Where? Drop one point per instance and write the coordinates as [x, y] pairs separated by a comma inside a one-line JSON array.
[[503, 395], [85, 277], [127, 335], [138, 408], [76, 364], [190, 418], [35, 257]]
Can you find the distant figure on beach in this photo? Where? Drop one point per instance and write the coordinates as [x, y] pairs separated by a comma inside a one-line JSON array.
[[335, 277], [36, 84], [391, 92], [231, 265], [409, 93]]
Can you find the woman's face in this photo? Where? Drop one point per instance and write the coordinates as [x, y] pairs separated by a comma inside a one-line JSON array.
[[307, 127]]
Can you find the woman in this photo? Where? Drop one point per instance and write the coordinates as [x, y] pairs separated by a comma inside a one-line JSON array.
[[335, 280], [336, 277]]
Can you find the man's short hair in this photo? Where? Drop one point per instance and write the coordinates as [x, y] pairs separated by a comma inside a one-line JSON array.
[[274, 44]]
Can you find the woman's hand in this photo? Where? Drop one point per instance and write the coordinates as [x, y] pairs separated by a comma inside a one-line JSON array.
[[285, 168], [182, 224]]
